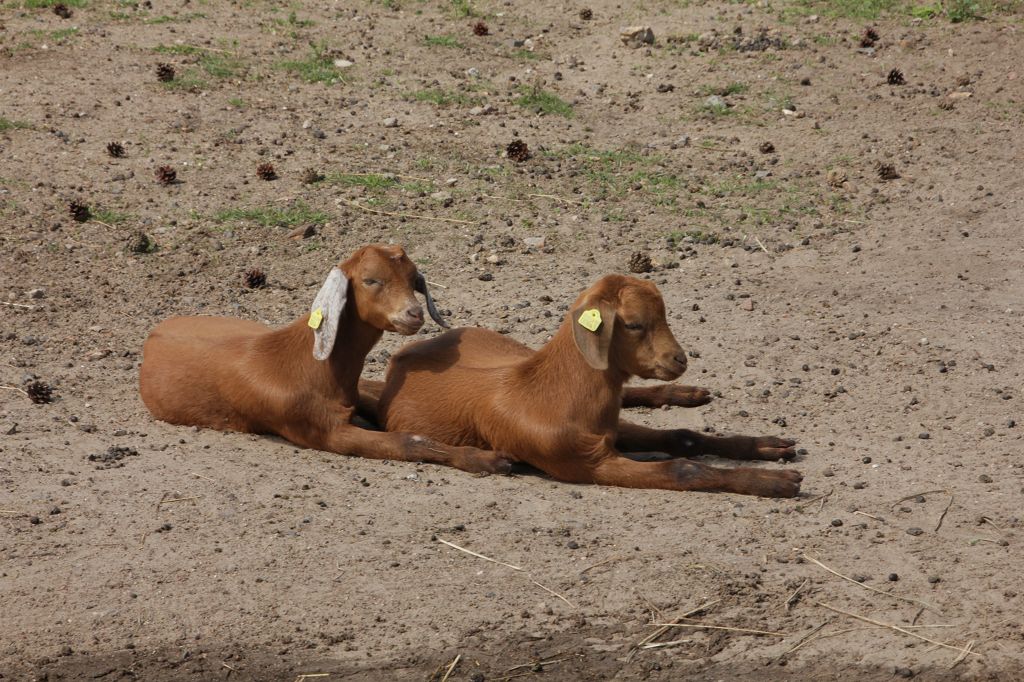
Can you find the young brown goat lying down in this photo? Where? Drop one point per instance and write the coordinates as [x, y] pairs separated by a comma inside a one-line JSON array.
[[300, 381], [557, 409]]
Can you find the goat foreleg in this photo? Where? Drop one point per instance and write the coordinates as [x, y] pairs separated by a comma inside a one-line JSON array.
[[685, 475], [686, 443], [665, 394]]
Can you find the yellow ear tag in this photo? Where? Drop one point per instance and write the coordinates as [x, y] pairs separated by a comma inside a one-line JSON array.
[[316, 318], [590, 319]]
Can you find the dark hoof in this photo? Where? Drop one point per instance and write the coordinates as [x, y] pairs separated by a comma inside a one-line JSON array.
[[691, 396], [770, 448]]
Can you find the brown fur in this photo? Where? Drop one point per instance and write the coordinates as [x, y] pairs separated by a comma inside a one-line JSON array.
[[557, 409], [237, 375]]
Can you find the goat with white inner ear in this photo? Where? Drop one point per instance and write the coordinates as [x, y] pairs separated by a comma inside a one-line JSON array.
[[557, 409], [300, 381]]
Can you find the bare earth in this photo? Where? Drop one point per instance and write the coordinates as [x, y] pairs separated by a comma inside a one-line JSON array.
[[877, 321]]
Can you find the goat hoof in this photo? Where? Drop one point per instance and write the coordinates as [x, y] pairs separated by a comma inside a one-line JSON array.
[[770, 448], [485, 462], [689, 396], [786, 483]]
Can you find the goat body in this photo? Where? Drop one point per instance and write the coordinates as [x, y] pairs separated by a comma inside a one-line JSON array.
[[300, 381], [557, 409]]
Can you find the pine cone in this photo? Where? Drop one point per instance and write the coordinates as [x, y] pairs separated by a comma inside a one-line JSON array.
[[115, 149], [311, 176], [895, 77], [766, 148], [165, 175], [254, 278], [887, 171], [164, 73], [480, 29], [517, 150], [140, 242], [640, 262], [62, 10], [79, 211], [869, 37], [586, 14], [266, 171], [39, 392]]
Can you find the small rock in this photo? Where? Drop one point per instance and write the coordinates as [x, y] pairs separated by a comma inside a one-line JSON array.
[[390, 122], [35, 520], [984, 478], [444, 198], [637, 36], [343, 63], [9, 428], [924, 435], [97, 355], [915, 531], [36, 293], [905, 673], [934, 579], [748, 305], [715, 102], [572, 544], [485, 277], [893, 577], [535, 242], [865, 460], [837, 522], [304, 232]]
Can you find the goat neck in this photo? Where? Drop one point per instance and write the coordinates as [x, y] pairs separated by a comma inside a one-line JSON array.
[[561, 377]]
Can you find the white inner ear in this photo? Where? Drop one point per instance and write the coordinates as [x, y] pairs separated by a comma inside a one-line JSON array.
[[330, 301]]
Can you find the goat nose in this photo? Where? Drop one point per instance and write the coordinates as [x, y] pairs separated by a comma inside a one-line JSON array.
[[414, 313], [680, 357]]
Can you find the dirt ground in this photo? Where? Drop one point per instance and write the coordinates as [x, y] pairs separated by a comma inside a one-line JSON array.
[[840, 254]]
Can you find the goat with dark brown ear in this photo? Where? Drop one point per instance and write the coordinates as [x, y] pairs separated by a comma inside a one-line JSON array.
[[300, 381], [557, 409]]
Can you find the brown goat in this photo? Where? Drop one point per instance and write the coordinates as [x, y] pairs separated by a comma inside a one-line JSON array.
[[300, 381], [557, 409]]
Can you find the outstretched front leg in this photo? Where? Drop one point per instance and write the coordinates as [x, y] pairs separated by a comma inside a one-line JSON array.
[[680, 474], [665, 394], [686, 443]]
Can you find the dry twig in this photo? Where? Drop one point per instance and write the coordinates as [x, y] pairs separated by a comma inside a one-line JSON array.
[[879, 623], [479, 556], [550, 591], [701, 626], [664, 628], [868, 587], [356, 204], [451, 667], [796, 592]]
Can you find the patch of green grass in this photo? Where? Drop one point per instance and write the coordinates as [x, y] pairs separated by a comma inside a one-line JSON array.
[[697, 236], [926, 11], [178, 49], [848, 9], [189, 80], [110, 216], [317, 68], [714, 109], [221, 65], [442, 98], [61, 35], [165, 19], [958, 11], [273, 216], [723, 90], [615, 157], [372, 181], [237, 103], [35, 4], [441, 41], [740, 186], [522, 53], [7, 124], [464, 8], [293, 20], [543, 102]]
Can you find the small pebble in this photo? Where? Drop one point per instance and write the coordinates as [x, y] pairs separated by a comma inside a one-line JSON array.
[[933, 579], [865, 460], [35, 520], [572, 544], [915, 531], [905, 673], [985, 478], [924, 435], [837, 522], [893, 577]]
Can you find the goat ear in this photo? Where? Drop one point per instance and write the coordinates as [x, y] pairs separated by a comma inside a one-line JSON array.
[[421, 287], [326, 311], [592, 327]]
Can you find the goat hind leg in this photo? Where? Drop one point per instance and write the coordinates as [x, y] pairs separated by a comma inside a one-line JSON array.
[[347, 439], [665, 394]]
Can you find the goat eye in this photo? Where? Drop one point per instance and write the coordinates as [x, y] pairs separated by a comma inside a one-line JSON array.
[[371, 282], [634, 326]]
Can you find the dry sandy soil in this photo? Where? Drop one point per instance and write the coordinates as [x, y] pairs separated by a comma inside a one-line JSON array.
[[875, 319]]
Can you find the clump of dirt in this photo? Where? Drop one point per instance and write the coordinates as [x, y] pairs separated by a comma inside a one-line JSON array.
[[113, 458]]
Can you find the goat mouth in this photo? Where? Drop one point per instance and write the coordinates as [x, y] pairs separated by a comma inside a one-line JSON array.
[[406, 328], [669, 372]]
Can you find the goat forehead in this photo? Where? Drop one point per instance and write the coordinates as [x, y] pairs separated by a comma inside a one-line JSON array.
[[642, 299]]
